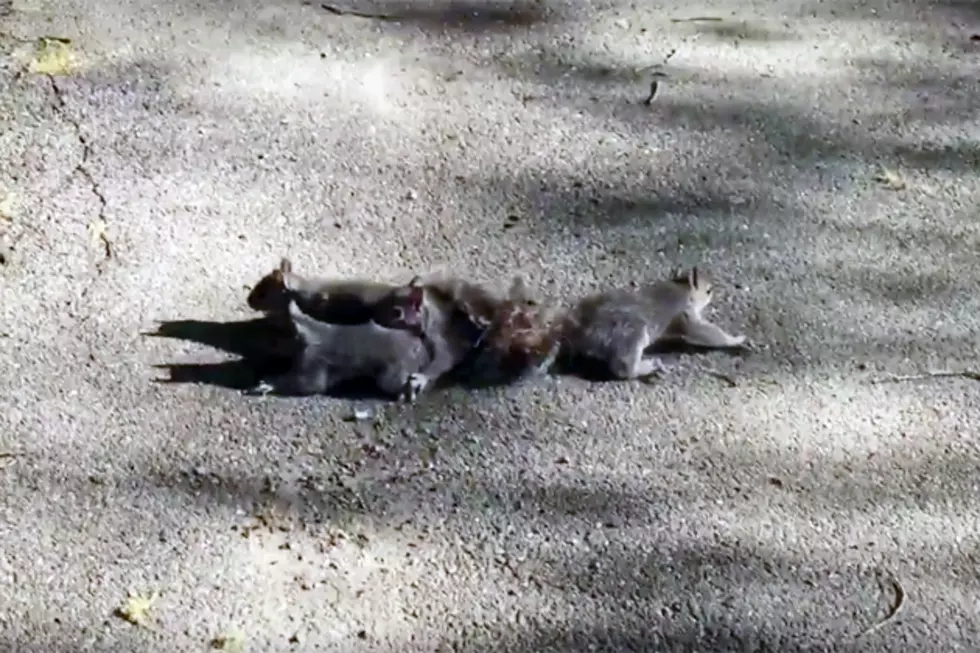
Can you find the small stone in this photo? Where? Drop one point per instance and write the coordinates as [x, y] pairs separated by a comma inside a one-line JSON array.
[[411, 195]]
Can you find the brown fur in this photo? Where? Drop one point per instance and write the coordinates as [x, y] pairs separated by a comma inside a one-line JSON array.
[[523, 334], [459, 315]]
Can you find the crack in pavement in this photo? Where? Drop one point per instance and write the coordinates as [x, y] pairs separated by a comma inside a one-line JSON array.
[[82, 169]]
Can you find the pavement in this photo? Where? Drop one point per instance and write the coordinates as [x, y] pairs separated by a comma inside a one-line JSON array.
[[821, 160]]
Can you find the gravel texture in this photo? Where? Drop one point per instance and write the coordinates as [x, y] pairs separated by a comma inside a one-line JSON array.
[[820, 159]]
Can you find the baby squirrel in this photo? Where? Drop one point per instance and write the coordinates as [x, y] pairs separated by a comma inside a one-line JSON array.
[[332, 353], [339, 301], [454, 314], [616, 327]]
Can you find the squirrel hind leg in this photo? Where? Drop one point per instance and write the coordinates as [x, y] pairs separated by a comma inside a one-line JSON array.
[[299, 381], [701, 333]]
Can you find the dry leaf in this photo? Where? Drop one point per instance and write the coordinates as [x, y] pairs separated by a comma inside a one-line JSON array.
[[97, 232], [890, 179], [232, 642], [7, 206], [271, 517], [136, 609], [53, 56]]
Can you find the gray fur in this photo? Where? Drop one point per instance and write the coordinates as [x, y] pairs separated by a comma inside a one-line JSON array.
[[447, 346], [617, 327], [692, 329], [333, 353]]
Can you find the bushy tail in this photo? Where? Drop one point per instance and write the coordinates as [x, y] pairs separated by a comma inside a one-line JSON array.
[[308, 329]]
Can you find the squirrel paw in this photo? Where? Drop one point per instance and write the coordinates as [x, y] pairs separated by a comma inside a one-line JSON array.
[[260, 389], [742, 345], [651, 370], [417, 382], [652, 378]]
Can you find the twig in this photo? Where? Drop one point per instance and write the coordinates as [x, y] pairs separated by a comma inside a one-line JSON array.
[[893, 611], [9, 454], [654, 86], [653, 91], [696, 19], [340, 11], [657, 72], [940, 374], [729, 380]]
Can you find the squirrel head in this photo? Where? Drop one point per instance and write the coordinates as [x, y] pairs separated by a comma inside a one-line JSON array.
[[270, 293], [402, 308], [697, 285]]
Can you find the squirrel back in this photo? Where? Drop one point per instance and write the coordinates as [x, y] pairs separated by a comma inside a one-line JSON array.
[[339, 301]]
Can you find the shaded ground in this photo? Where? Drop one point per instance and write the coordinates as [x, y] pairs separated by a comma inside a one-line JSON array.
[[820, 159]]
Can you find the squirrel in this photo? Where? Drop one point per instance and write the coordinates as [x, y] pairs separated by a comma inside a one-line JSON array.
[[616, 327], [455, 314], [461, 322], [331, 353], [339, 301]]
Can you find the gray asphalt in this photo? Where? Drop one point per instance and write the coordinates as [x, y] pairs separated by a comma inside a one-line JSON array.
[[788, 513]]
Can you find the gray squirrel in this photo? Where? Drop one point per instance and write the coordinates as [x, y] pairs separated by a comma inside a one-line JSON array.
[[339, 301], [408, 337], [451, 315], [616, 327], [331, 353]]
